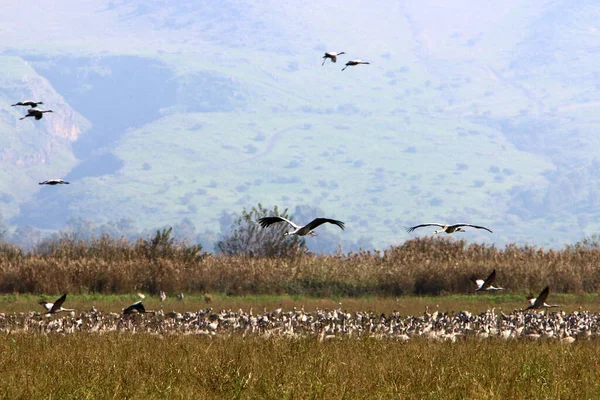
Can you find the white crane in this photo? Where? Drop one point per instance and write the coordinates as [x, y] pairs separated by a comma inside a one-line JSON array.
[[53, 182], [486, 285], [332, 55], [36, 113], [56, 307], [28, 103], [447, 228], [298, 229], [352, 63], [540, 301]]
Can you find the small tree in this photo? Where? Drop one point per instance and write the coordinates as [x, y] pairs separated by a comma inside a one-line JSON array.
[[248, 238]]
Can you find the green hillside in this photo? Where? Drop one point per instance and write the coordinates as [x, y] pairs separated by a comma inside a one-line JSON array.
[[466, 113]]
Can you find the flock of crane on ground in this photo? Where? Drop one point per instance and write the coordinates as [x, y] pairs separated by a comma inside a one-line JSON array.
[[300, 230]]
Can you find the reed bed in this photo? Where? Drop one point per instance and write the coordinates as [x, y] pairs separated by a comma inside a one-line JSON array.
[[425, 266], [149, 366]]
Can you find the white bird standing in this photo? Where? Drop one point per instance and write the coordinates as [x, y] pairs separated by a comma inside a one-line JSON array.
[[53, 182], [28, 103], [540, 301], [34, 112], [298, 229], [332, 55], [447, 228], [486, 284], [352, 63], [56, 307]]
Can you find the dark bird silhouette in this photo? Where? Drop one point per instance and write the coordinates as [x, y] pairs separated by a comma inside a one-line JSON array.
[[332, 55], [352, 63], [447, 228], [28, 103], [36, 113], [298, 229], [135, 308], [53, 182]]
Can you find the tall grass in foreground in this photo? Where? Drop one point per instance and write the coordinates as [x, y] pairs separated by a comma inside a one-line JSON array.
[[148, 366], [420, 266]]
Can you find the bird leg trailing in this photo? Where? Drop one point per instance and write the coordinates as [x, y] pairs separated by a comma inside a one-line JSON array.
[[311, 233]]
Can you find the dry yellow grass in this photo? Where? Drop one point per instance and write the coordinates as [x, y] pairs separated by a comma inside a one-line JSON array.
[[148, 366], [419, 266]]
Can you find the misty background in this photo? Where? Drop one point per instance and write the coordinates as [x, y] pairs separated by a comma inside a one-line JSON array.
[[184, 114]]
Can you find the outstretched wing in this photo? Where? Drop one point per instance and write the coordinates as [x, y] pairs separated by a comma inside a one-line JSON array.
[[268, 221], [472, 226], [412, 228], [320, 221], [541, 299], [489, 280], [58, 303], [135, 307]]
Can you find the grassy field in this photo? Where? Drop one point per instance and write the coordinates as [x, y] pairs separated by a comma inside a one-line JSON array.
[[423, 274], [119, 365], [148, 366], [406, 305]]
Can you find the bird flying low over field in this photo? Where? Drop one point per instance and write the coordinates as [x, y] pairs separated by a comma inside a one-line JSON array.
[[28, 103], [298, 229], [540, 301], [135, 308], [56, 307], [36, 113], [53, 182], [332, 55], [352, 63], [447, 228], [487, 284]]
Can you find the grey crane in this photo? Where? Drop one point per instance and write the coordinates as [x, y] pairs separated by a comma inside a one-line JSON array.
[[135, 308], [540, 301], [352, 63], [28, 103], [56, 307], [36, 113], [298, 229], [486, 285], [332, 55], [447, 228], [53, 182]]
